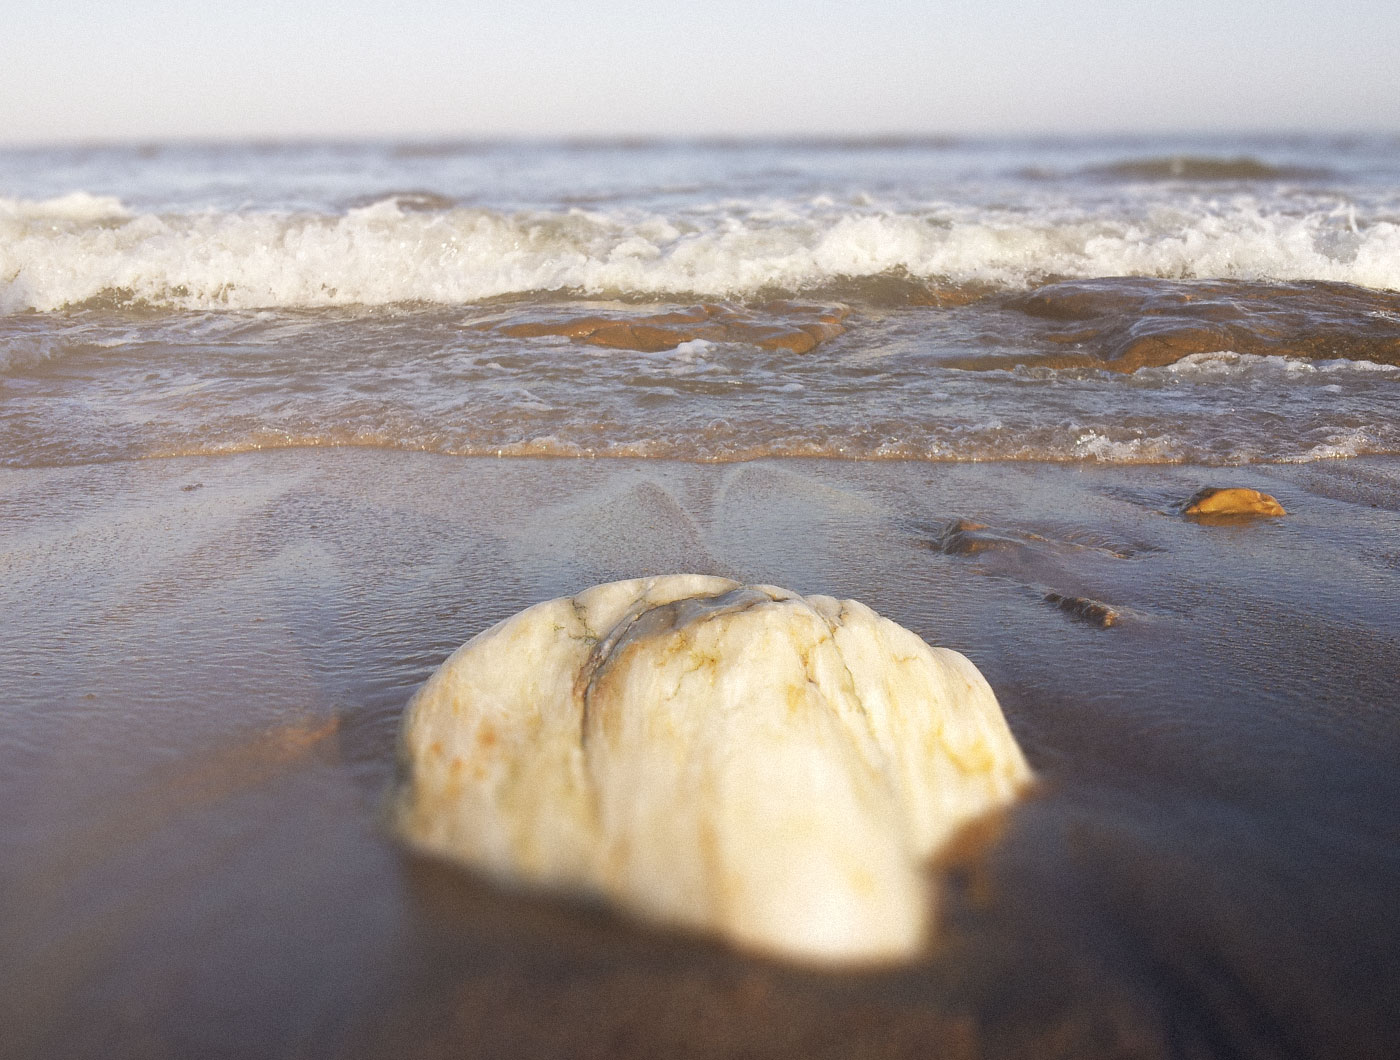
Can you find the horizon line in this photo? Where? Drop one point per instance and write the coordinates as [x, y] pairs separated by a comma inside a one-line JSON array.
[[625, 140]]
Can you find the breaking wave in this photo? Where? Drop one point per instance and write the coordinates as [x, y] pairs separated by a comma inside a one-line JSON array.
[[85, 249]]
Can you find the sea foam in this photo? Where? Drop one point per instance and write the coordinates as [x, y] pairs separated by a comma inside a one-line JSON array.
[[1211, 368], [82, 248]]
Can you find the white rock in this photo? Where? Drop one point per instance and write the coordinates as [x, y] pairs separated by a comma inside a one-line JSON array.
[[725, 758]]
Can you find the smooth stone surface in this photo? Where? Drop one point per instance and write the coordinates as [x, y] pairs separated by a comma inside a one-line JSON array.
[[721, 758], [1233, 501]]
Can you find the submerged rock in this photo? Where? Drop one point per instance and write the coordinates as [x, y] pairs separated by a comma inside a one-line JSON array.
[[798, 327], [1124, 323], [1233, 502], [1086, 609], [724, 758], [963, 537]]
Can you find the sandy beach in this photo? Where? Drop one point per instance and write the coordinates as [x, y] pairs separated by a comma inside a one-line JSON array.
[[205, 661]]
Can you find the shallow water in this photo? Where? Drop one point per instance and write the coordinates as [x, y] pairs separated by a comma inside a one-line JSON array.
[[207, 657], [1224, 301]]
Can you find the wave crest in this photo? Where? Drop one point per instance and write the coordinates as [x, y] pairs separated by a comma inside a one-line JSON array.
[[80, 248]]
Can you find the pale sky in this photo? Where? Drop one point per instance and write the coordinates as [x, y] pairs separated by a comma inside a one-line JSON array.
[[149, 69]]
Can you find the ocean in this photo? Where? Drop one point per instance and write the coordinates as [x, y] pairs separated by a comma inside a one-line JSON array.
[[1105, 300], [282, 425]]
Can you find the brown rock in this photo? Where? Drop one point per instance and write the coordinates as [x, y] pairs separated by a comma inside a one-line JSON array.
[[644, 337], [1231, 502], [1094, 612], [574, 328], [963, 537], [1123, 323], [795, 326], [774, 337]]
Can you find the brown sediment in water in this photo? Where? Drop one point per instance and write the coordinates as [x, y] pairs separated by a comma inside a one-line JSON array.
[[1123, 324], [787, 325]]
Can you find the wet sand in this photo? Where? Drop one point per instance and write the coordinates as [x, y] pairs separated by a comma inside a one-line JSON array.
[[203, 662]]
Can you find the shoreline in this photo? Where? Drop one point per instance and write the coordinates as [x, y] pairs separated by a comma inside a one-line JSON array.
[[1216, 471], [202, 686]]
